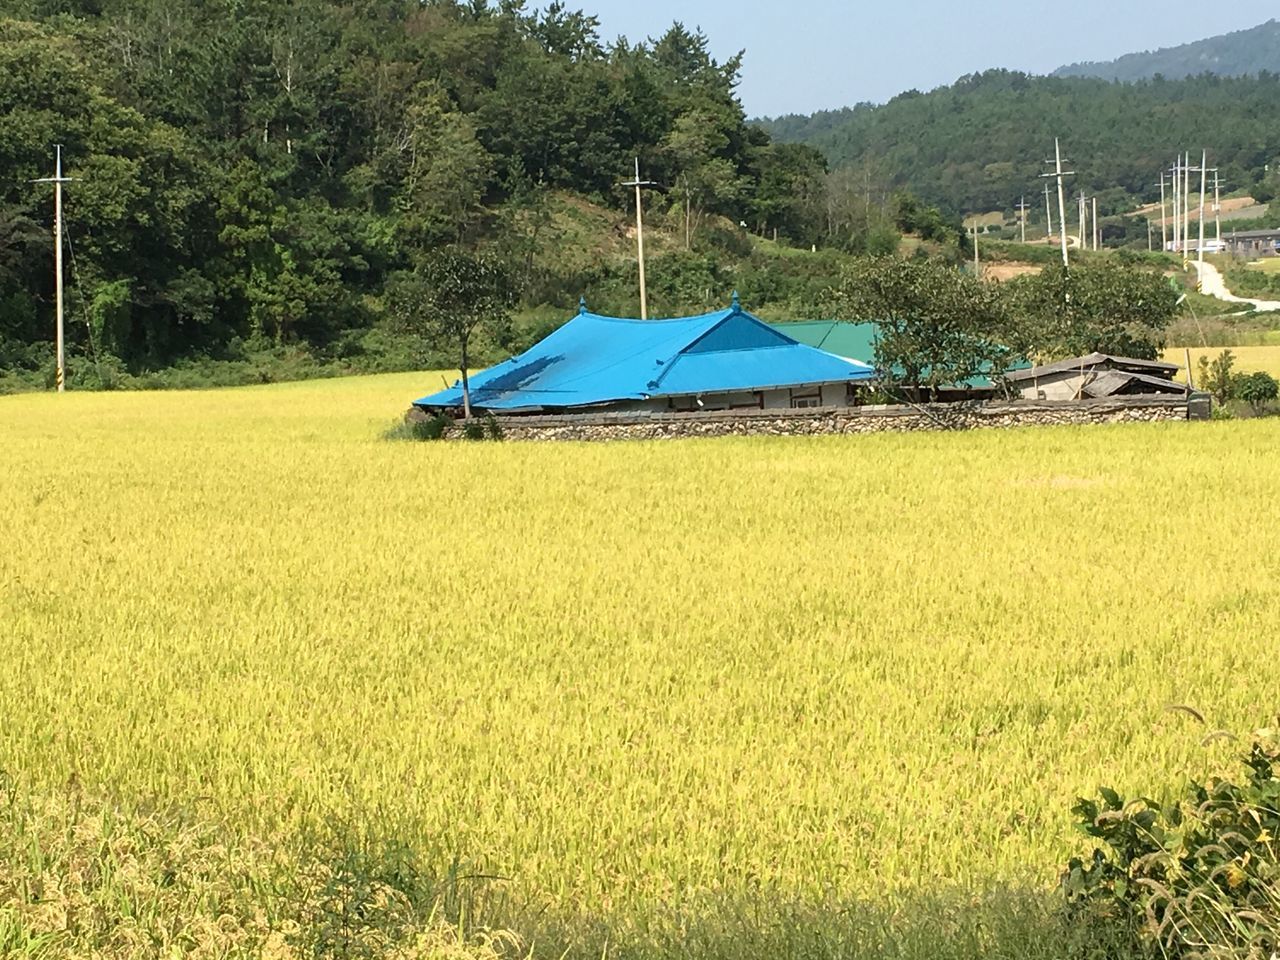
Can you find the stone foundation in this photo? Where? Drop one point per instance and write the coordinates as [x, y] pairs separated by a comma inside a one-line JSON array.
[[841, 420]]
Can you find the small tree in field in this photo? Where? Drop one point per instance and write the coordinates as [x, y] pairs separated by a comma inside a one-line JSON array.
[[1218, 378], [450, 298], [1258, 390]]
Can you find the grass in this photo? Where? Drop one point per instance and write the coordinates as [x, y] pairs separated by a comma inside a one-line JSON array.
[[808, 697], [1269, 265]]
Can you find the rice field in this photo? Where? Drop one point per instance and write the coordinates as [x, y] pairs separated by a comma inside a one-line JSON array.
[[745, 697], [1247, 359]]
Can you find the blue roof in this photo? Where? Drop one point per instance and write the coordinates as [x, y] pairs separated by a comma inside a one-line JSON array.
[[594, 360]]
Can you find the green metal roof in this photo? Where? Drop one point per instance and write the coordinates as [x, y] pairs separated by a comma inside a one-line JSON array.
[[852, 341]]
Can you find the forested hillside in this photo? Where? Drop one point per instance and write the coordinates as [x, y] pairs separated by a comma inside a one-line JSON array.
[[1251, 51], [254, 172], [980, 143]]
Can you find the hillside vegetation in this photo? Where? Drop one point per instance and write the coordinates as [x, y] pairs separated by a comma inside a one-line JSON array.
[[1252, 51], [252, 175], [980, 144]]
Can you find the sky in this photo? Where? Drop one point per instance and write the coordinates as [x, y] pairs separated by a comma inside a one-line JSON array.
[[807, 55]]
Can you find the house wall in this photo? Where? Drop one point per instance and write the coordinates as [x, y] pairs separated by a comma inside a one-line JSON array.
[[1064, 385], [828, 395]]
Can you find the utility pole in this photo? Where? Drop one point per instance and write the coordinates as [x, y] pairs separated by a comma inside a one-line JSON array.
[[1177, 203], [1084, 220], [58, 180], [1164, 229], [1058, 174], [1217, 209], [1097, 232], [1204, 163], [640, 185], [1186, 211], [977, 267], [1022, 217], [1048, 215]]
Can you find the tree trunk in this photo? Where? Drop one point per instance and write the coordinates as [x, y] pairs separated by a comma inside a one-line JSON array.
[[688, 216]]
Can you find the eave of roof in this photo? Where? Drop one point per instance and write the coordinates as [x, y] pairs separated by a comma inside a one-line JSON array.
[[1090, 362]]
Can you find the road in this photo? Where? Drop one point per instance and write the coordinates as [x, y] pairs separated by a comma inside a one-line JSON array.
[[1211, 282]]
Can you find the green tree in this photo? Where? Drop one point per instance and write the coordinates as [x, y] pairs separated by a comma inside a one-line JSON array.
[[790, 192], [1258, 389], [450, 298], [705, 179], [1217, 376], [938, 326], [1108, 308]]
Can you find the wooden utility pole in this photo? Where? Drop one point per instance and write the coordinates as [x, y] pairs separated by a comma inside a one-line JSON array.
[[640, 185], [1058, 173], [58, 180]]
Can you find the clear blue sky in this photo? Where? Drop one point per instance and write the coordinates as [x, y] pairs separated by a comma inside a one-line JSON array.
[[806, 55]]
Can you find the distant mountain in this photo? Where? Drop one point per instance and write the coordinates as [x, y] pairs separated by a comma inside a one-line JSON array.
[[1230, 55], [980, 143]]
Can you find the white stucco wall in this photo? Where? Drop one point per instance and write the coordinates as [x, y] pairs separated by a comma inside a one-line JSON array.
[[1054, 386], [830, 395]]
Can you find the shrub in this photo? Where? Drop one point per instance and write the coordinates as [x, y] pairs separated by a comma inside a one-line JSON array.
[[1217, 377], [1258, 390], [432, 428], [492, 428], [473, 430], [1196, 876]]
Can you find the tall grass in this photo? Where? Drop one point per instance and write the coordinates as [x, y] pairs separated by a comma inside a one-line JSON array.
[[817, 697]]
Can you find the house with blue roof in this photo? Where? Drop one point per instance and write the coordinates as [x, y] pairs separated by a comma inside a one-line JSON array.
[[717, 361]]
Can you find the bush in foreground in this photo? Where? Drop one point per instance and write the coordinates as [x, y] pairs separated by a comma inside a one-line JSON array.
[[1198, 876]]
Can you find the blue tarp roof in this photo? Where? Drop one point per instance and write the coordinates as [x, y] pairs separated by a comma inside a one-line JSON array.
[[593, 360]]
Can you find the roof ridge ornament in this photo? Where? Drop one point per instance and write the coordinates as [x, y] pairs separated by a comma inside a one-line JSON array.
[[737, 304], [582, 305]]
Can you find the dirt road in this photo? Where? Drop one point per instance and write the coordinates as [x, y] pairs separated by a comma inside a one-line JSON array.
[[1211, 282]]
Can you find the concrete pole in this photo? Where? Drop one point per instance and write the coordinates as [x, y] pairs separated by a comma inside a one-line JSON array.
[[1062, 201], [1204, 162], [57, 270], [1177, 203], [58, 180], [1048, 215], [1164, 227], [1084, 218], [644, 298], [1186, 210], [1217, 209]]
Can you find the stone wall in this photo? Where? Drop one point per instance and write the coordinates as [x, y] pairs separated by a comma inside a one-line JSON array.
[[646, 425]]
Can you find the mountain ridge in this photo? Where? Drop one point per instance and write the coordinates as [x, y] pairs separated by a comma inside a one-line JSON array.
[[1239, 53]]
